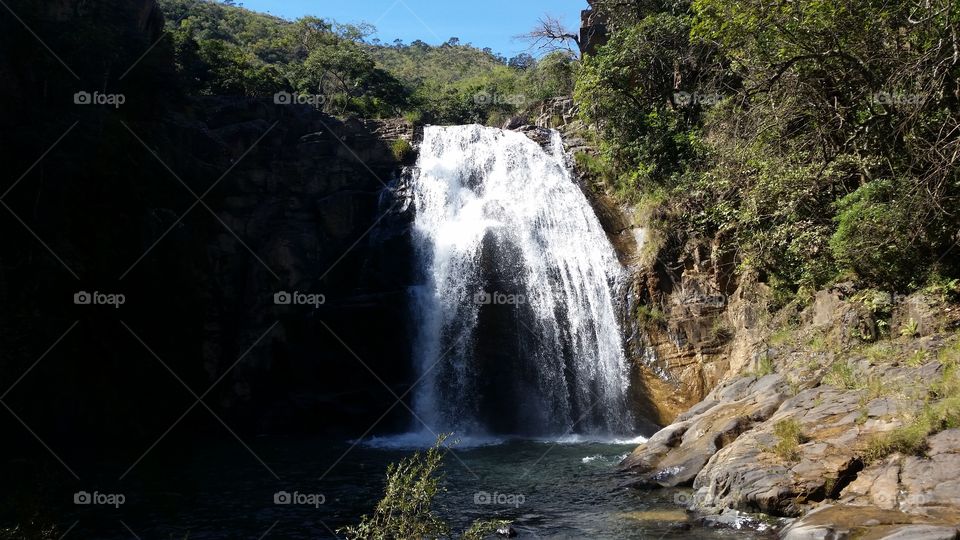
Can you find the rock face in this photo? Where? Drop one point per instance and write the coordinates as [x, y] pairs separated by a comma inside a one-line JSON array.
[[692, 322], [925, 485], [677, 454], [318, 203], [593, 29], [801, 441], [293, 201]]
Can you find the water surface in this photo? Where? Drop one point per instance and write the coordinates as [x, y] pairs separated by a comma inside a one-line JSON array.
[[550, 489]]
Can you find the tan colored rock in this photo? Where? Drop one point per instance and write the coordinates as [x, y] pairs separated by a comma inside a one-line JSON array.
[[675, 455], [834, 522]]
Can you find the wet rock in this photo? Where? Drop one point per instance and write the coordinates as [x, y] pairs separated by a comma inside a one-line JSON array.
[[737, 520], [840, 521], [675, 455], [514, 122], [507, 532]]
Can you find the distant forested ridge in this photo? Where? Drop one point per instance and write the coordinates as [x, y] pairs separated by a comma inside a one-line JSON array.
[[227, 50]]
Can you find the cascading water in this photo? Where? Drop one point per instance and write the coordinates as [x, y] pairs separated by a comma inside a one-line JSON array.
[[517, 328]]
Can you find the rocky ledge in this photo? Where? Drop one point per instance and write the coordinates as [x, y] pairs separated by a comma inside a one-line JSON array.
[[837, 432]]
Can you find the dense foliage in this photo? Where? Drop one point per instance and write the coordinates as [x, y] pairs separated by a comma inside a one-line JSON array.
[[821, 139], [226, 50]]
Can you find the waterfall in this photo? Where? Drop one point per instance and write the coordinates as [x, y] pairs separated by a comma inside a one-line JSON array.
[[516, 325]]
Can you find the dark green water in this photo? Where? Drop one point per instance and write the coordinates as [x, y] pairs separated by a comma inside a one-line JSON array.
[[550, 490]]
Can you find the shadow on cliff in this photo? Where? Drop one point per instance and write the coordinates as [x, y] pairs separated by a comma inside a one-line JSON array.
[[181, 219]]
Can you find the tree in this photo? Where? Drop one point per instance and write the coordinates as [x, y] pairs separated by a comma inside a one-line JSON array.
[[522, 61], [550, 34]]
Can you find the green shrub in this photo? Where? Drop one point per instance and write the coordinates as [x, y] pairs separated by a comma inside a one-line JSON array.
[[945, 289], [790, 436], [415, 117], [880, 353], [405, 511], [406, 508], [911, 328], [649, 315], [402, 150], [721, 330], [843, 375], [917, 359], [874, 235], [765, 366]]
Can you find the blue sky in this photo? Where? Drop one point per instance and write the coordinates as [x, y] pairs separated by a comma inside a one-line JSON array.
[[491, 23]]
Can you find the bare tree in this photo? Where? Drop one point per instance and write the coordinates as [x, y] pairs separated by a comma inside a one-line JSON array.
[[550, 35]]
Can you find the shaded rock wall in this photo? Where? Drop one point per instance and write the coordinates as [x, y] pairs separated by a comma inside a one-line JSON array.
[[593, 30], [292, 201]]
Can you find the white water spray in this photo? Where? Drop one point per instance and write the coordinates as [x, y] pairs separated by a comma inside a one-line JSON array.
[[517, 332]]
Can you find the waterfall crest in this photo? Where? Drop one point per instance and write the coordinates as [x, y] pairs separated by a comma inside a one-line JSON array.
[[516, 325]]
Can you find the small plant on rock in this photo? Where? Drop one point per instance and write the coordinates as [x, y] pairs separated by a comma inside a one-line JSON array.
[[911, 328], [402, 150], [765, 366], [842, 375], [790, 436], [917, 359], [940, 412]]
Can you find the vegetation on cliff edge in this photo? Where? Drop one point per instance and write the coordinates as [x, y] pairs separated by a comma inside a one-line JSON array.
[[819, 141]]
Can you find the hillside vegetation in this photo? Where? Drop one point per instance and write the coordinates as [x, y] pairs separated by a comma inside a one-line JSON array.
[[818, 141], [222, 49]]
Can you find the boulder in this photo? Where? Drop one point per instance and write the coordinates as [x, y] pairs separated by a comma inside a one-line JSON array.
[[675, 455]]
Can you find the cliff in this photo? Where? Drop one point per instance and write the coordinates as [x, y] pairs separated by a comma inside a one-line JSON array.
[[198, 210]]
